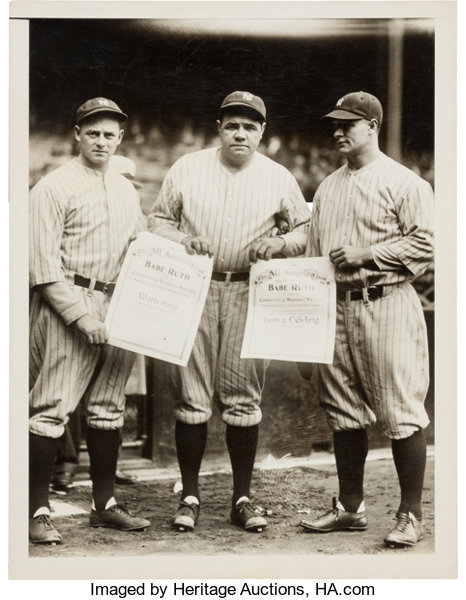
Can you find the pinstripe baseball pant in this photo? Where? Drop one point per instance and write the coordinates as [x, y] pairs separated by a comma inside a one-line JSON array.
[[64, 368], [215, 371], [380, 369]]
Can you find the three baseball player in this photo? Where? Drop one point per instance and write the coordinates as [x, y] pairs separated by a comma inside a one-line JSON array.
[[372, 217]]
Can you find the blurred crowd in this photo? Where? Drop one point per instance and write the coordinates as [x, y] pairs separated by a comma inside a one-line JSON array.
[[154, 149]]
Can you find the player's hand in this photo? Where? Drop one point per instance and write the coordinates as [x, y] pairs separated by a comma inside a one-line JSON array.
[[93, 330], [349, 257], [197, 245], [265, 248]]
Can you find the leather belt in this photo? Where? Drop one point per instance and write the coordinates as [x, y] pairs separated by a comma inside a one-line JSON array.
[[106, 287], [227, 277], [373, 292]]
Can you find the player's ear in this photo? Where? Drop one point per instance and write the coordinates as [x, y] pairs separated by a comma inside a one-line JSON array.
[[77, 133], [374, 125], [219, 124], [120, 136], [262, 128]]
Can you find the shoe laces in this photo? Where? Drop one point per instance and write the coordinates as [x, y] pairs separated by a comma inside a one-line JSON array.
[[185, 506], [403, 522], [121, 509], [248, 507], [335, 510], [45, 520]]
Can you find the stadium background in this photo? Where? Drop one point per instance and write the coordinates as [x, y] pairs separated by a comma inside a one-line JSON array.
[[170, 77]]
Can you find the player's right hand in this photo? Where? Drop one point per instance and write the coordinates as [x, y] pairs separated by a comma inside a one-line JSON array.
[[196, 245], [93, 330]]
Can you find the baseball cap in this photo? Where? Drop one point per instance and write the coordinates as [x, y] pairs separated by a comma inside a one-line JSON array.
[[245, 99], [99, 105], [357, 105]]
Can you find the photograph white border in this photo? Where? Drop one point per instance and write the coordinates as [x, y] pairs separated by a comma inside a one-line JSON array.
[[442, 563]]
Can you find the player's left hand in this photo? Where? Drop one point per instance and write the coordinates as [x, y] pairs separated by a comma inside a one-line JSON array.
[[349, 257], [265, 248]]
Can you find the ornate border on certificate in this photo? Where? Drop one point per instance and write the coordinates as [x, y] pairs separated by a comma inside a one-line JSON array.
[[159, 298], [291, 311]]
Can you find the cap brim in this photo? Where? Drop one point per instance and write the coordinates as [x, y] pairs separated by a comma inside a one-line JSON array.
[[244, 105], [121, 116], [342, 115]]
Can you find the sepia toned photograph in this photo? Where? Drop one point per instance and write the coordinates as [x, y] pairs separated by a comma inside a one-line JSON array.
[[230, 246]]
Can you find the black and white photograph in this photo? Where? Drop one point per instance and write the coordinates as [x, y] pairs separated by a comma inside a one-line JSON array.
[[230, 222]]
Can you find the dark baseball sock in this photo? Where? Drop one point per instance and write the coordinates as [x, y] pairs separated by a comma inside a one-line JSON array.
[[190, 444], [351, 449], [102, 446], [409, 455], [42, 453], [242, 445]]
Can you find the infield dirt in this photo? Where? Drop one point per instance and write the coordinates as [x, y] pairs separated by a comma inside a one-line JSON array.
[[289, 494]]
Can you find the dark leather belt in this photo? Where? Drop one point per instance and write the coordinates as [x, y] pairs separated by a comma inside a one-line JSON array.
[[373, 292], [106, 287], [216, 276]]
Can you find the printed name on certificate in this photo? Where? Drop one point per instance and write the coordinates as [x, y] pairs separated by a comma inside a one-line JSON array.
[[158, 299], [291, 310]]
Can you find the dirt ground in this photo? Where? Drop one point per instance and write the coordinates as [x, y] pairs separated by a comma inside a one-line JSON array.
[[289, 493]]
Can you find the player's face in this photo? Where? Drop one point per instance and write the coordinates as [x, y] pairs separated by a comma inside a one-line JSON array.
[[352, 137], [98, 141], [239, 137]]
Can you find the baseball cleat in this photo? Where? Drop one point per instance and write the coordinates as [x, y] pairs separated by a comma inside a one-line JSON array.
[[337, 519], [248, 516], [186, 516], [42, 531], [117, 517], [407, 531]]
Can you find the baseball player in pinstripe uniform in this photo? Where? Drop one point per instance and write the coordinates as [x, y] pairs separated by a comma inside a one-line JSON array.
[[374, 218], [82, 218], [225, 201]]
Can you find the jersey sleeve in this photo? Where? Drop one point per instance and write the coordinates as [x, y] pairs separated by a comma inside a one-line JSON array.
[[46, 221], [415, 249], [165, 217], [296, 212], [313, 245]]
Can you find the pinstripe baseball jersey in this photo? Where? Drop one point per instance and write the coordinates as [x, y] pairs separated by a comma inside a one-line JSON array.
[[384, 206], [380, 368], [81, 221], [202, 197]]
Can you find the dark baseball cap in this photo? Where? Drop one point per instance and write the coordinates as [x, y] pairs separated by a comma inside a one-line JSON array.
[[245, 99], [99, 105], [357, 105]]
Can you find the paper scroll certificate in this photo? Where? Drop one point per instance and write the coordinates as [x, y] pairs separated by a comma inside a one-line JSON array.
[[158, 299], [292, 310]]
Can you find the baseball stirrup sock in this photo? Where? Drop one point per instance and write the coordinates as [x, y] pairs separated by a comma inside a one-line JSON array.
[[351, 449], [409, 456], [242, 445], [42, 454], [190, 444], [102, 446]]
